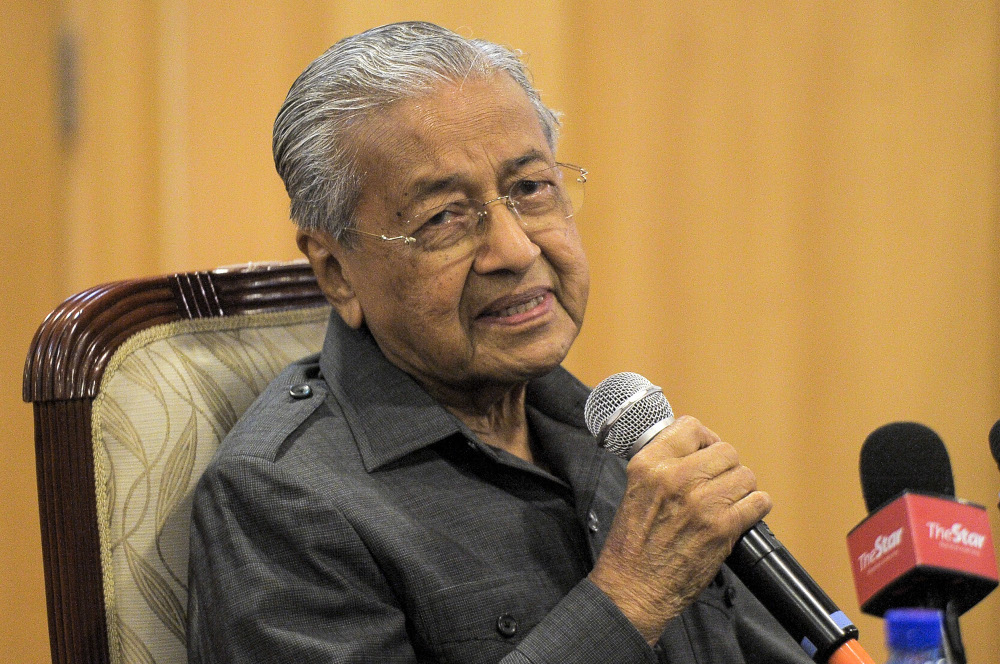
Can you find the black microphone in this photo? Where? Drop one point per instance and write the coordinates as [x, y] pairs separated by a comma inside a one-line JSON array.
[[995, 442], [903, 456], [625, 411], [919, 546], [995, 445]]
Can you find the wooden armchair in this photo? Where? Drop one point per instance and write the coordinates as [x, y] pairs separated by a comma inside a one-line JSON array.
[[134, 384]]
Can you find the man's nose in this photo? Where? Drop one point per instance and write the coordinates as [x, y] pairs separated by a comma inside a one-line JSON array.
[[505, 244]]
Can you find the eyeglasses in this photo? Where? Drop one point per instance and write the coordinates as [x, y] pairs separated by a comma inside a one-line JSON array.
[[539, 201]]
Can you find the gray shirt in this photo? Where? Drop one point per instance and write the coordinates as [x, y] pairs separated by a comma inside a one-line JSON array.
[[348, 517]]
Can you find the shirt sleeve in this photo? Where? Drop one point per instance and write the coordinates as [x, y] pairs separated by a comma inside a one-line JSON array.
[[586, 626], [276, 576]]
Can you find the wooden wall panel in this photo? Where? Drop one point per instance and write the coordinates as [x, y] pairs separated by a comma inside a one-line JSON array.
[[792, 220], [793, 225], [31, 252]]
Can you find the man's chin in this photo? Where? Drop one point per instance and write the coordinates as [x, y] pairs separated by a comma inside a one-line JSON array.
[[531, 367]]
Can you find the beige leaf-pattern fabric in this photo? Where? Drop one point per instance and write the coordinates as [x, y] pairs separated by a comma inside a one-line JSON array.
[[168, 397], [177, 472], [133, 650]]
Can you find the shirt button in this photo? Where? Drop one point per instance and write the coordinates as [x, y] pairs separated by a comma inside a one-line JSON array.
[[506, 625], [301, 391], [593, 523]]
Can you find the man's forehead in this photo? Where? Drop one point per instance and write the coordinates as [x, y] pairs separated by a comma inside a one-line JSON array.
[[455, 132]]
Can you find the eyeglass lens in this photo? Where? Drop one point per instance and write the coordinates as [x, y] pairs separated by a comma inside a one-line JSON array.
[[539, 200]]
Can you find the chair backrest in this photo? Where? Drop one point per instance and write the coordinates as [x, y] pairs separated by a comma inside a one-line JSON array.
[[133, 385]]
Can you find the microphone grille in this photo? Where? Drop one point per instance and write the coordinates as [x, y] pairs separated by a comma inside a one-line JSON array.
[[903, 456], [611, 393]]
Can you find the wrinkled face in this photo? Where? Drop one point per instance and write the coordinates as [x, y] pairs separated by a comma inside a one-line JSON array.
[[504, 312]]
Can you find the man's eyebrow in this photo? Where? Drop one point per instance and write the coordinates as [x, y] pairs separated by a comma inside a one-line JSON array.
[[425, 188], [512, 166]]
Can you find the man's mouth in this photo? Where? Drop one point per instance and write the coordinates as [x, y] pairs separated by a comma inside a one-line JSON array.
[[520, 308], [513, 310]]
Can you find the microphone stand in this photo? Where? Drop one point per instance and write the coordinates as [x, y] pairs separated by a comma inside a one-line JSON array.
[[954, 649]]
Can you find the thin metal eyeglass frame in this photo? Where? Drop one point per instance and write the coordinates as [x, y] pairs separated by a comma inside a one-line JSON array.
[[409, 239]]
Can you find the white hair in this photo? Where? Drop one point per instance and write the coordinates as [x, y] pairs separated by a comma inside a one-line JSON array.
[[356, 77]]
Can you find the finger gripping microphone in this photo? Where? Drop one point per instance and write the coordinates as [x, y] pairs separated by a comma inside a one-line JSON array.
[[625, 411]]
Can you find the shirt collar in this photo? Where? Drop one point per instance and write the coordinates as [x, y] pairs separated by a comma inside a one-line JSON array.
[[388, 412], [391, 416]]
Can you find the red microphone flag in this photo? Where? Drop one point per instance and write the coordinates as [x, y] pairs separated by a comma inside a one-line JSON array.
[[919, 548]]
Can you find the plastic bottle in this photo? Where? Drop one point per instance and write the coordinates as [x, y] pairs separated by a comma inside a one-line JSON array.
[[914, 636]]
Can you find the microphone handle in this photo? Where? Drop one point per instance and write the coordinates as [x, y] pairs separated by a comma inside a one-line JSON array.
[[777, 580]]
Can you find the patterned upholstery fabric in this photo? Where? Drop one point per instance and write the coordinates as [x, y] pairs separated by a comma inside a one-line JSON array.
[[168, 397]]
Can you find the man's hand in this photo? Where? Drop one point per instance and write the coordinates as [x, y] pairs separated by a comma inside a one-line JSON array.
[[686, 503]]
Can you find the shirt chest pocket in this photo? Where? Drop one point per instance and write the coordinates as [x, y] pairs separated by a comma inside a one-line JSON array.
[[480, 620]]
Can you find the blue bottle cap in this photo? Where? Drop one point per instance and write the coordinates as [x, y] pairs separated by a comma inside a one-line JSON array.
[[913, 629]]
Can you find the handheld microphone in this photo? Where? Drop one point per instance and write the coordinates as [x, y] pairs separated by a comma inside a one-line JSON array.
[[920, 546], [625, 411]]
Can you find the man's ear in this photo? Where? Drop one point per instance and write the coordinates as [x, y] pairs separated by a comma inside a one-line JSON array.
[[324, 253]]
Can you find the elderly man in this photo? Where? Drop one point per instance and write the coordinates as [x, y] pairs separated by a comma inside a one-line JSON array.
[[424, 490]]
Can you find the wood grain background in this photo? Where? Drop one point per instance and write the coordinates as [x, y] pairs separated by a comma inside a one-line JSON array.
[[792, 219]]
